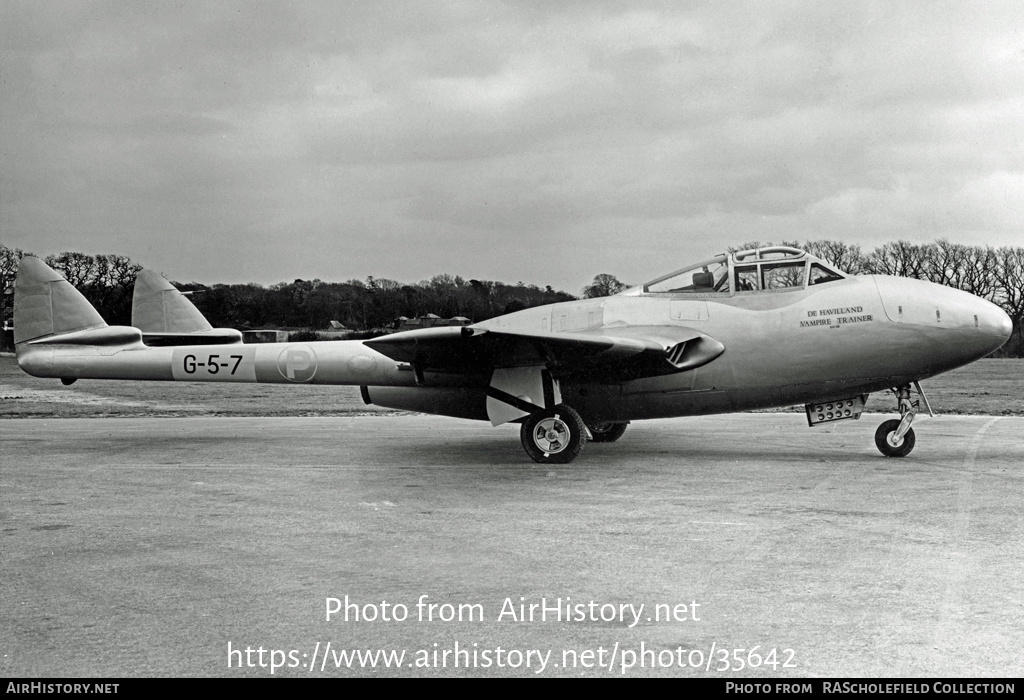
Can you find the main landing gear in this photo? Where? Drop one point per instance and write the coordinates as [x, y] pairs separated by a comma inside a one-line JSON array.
[[553, 435], [895, 438], [556, 435], [606, 432]]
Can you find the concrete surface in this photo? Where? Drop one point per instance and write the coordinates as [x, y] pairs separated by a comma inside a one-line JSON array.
[[144, 547]]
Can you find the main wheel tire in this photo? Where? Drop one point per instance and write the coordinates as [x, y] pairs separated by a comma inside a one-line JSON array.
[[885, 431], [553, 435], [606, 432]]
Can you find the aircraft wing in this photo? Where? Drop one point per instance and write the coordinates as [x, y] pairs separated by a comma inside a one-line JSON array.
[[618, 352]]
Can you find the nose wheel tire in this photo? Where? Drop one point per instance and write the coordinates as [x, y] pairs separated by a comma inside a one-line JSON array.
[[607, 432], [884, 440], [553, 435]]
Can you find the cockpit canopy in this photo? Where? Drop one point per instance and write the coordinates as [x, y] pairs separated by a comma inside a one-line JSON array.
[[778, 268]]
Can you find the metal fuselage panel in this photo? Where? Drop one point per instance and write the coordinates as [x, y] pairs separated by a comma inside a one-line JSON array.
[[783, 347], [331, 362]]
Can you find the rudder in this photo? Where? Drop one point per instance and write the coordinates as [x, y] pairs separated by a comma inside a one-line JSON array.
[[46, 304], [158, 307]]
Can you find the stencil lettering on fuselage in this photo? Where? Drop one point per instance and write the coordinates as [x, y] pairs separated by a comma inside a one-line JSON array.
[[233, 363], [836, 317]]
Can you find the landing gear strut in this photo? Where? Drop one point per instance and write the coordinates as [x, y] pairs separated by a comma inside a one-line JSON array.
[[895, 438]]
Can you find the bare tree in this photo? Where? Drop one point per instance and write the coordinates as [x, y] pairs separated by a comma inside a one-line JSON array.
[[846, 257], [77, 268], [1009, 282], [902, 258], [10, 259], [946, 263], [116, 271], [980, 273]]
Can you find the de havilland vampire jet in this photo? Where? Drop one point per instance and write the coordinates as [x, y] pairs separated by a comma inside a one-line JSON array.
[[752, 329]]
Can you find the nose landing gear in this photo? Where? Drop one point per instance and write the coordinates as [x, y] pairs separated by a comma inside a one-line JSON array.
[[895, 438], [890, 442]]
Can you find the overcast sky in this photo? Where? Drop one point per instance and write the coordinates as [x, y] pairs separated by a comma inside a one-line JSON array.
[[540, 141]]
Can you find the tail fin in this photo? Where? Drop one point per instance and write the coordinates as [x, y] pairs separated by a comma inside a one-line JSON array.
[[167, 317], [46, 304], [157, 307]]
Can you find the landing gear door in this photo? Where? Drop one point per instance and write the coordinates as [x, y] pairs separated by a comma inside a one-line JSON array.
[[516, 392]]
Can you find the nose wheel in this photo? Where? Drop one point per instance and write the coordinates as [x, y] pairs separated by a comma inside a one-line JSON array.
[[895, 438], [890, 443]]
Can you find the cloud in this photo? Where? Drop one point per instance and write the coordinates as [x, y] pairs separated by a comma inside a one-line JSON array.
[[345, 139]]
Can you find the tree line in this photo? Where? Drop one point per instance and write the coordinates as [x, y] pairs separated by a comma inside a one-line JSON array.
[[373, 303], [996, 274], [107, 281]]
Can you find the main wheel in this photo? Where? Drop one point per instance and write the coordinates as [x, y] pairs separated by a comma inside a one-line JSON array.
[[883, 440], [553, 435], [607, 432]]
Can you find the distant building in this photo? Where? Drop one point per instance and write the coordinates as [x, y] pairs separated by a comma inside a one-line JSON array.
[[335, 331], [265, 336], [404, 323]]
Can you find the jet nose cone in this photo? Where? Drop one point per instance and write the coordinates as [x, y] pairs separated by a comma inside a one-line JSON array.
[[1005, 324], [960, 326], [992, 322], [1002, 323]]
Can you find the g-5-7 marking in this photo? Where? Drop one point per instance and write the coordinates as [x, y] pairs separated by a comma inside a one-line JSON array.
[[211, 364]]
